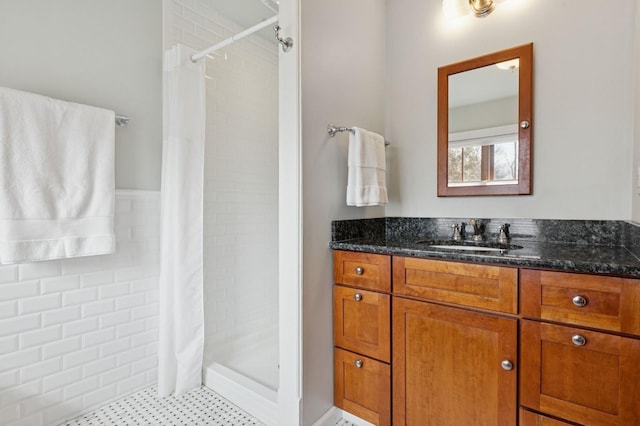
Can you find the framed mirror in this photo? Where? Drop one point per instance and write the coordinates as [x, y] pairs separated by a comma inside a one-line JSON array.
[[485, 128]]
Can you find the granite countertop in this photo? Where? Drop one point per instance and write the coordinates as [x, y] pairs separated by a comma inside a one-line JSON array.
[[612, 251]]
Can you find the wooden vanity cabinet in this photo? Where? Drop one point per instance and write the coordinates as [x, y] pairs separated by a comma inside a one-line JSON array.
[[362, 335], [590, 375], [444, 343]]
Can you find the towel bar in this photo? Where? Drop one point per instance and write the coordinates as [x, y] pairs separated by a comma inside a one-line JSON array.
[[332, 130], [122, 121]]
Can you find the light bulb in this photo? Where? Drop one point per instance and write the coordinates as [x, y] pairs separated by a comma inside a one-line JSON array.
[[454, 8]]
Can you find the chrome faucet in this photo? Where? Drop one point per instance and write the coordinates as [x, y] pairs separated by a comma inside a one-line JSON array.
[[478, 229], [503, 235], [458, 231]]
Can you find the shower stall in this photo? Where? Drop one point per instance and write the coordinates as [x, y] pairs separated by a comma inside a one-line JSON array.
[[241, 211], [241, 196]]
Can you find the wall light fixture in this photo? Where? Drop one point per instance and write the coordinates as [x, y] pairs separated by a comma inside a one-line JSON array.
[[457, 8]]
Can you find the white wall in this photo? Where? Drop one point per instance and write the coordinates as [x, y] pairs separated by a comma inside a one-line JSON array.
[[635, 172], [343, 73], [78, 333], [583, 123], [102, 53]]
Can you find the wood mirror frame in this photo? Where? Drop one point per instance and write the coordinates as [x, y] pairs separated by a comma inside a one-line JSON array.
[[525, 123]]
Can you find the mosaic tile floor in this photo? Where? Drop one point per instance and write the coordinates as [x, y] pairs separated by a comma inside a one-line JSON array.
[[197, 408]]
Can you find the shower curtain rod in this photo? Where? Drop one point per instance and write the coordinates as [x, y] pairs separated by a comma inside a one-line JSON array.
[[233, 38]]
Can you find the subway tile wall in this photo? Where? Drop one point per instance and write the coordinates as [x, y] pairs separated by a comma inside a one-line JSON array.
[[78, 333]]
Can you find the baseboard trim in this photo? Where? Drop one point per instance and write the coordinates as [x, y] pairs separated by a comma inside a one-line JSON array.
[[330, 418], [335, 414], [254, 398], [354, 419]]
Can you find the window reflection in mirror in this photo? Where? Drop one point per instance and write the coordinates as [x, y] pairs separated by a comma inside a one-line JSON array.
[[485, 156]]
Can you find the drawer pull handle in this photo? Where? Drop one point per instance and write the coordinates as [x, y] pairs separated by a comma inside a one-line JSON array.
[[507, 365], [579, 340], [358, 363], [359, 270], [579, 301], [357, 297]]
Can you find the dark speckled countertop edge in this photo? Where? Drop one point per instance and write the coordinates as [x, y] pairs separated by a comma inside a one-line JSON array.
[[617, 256]]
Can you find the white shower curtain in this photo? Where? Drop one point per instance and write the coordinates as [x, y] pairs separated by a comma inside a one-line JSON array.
[[181, 212]]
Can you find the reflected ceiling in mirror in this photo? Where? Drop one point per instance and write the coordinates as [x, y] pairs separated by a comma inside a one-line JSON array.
[[484, 132]]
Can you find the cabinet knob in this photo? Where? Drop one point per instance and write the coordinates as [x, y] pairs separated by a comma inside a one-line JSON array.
[[359, 270], [579, 301], [579, 340], [358, 363], [357, 297], [507, 365], [524, 124]]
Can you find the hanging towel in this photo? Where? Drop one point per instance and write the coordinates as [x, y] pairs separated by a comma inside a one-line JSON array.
[[56, 178], [367, 169]]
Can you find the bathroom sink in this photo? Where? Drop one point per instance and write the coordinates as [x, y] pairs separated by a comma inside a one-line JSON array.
[[468, 246]]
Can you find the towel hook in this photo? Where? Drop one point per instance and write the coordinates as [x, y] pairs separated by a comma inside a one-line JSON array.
[[286, 43]]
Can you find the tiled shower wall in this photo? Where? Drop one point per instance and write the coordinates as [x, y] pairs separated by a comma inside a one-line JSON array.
[[241, 180], [77, 333]]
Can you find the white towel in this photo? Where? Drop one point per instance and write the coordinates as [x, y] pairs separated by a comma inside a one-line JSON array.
[[367, 169], [56, 178]]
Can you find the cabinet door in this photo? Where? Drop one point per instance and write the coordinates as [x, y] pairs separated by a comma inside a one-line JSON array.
[[362, 386], [582, 376], [362, 322], [447, 366]]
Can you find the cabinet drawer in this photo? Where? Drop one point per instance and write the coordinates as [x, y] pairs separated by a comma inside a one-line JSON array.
[[364, 270], [481, 286], [606, 303], [362, 386], [595, 381], [362, 322], [529, 418]]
